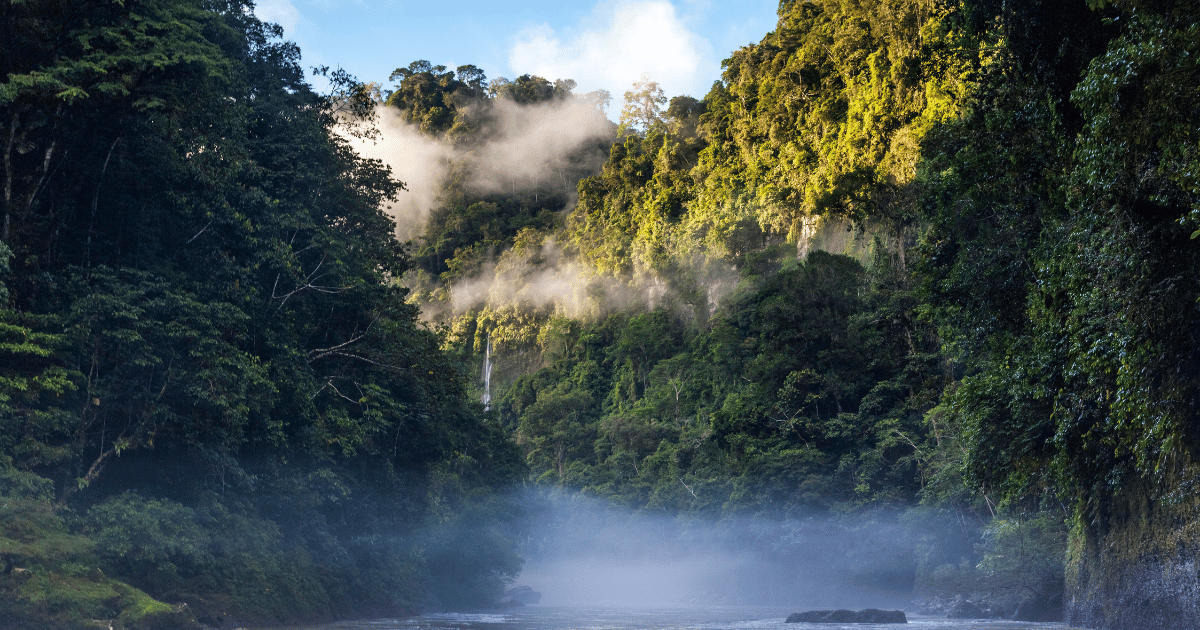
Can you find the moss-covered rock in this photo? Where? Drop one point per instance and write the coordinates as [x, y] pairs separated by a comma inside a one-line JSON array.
[[51, 578], [53, 600]]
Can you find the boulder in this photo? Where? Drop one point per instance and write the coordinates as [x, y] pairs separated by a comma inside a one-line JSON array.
[[870, 615], [841, 616], [519, 596], [874, 615], [966, 609], [524, 595]]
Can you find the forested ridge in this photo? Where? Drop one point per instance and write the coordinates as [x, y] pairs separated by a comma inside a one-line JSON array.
[[920, 263]]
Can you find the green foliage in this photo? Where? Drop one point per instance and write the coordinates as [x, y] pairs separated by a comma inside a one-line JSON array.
[[529, 89], [225, 560], [150, 537], [1052, 261], [1130, 218], [459, 239], [203, 350], [628, 217], [51, 577], [826, 113], [824, 117], [777, 404], [1025, 556], [436, 100], [28, 378], [472, 554], [1035, 344], [457, 105]]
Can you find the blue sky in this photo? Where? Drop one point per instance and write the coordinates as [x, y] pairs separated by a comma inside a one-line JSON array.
[[604, 44]]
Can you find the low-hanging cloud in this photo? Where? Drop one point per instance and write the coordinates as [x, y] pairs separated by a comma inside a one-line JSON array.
[[534, 143], [527, 147], [545, 276], [415, 159], [621, 41]]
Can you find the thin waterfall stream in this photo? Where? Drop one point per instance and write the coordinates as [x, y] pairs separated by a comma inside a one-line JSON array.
[[487, 375]]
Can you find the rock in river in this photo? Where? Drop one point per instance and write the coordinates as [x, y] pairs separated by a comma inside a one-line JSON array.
[[519, 596], [870, 615]]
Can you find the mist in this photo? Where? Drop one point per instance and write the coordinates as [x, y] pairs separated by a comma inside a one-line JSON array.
[[533, 144], [417, 160], [542, 275], [586, 551], [527, 148]]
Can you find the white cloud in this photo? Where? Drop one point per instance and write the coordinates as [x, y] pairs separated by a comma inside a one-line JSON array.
[[620, 41], [336, 5], [281, 12]]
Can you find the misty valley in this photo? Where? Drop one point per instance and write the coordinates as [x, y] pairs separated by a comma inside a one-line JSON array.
[[902, 314]]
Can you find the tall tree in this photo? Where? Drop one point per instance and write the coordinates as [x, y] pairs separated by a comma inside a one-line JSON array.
[[643, 105]]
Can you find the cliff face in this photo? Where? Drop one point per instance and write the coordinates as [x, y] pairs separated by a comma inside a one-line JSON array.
[[1141, 568]]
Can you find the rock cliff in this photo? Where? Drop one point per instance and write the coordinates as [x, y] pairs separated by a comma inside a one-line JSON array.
[[1136, 566]]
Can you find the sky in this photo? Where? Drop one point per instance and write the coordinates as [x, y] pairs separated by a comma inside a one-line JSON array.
[[601, 44]]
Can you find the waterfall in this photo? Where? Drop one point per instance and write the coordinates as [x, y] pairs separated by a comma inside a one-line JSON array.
[[487, 375]]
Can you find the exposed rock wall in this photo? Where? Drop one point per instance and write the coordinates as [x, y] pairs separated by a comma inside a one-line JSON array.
[[1139, 569]]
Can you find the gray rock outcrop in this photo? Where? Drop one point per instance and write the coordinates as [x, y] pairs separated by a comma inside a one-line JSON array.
[[869, 615]]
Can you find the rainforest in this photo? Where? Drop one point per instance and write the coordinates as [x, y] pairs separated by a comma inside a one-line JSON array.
[[909, 301]]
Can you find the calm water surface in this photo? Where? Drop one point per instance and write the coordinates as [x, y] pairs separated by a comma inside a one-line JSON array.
[[697, 618]]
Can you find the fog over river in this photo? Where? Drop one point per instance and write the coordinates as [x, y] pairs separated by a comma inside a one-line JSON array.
[[614, 618]]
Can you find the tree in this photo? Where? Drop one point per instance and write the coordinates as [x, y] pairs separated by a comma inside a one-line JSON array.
[[643, 105], [530, 89], [436, 100]]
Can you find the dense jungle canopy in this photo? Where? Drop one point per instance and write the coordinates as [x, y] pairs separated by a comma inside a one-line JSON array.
[[909, 261]]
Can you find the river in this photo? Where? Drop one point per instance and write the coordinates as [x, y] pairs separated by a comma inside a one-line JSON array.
[[694, 618]]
